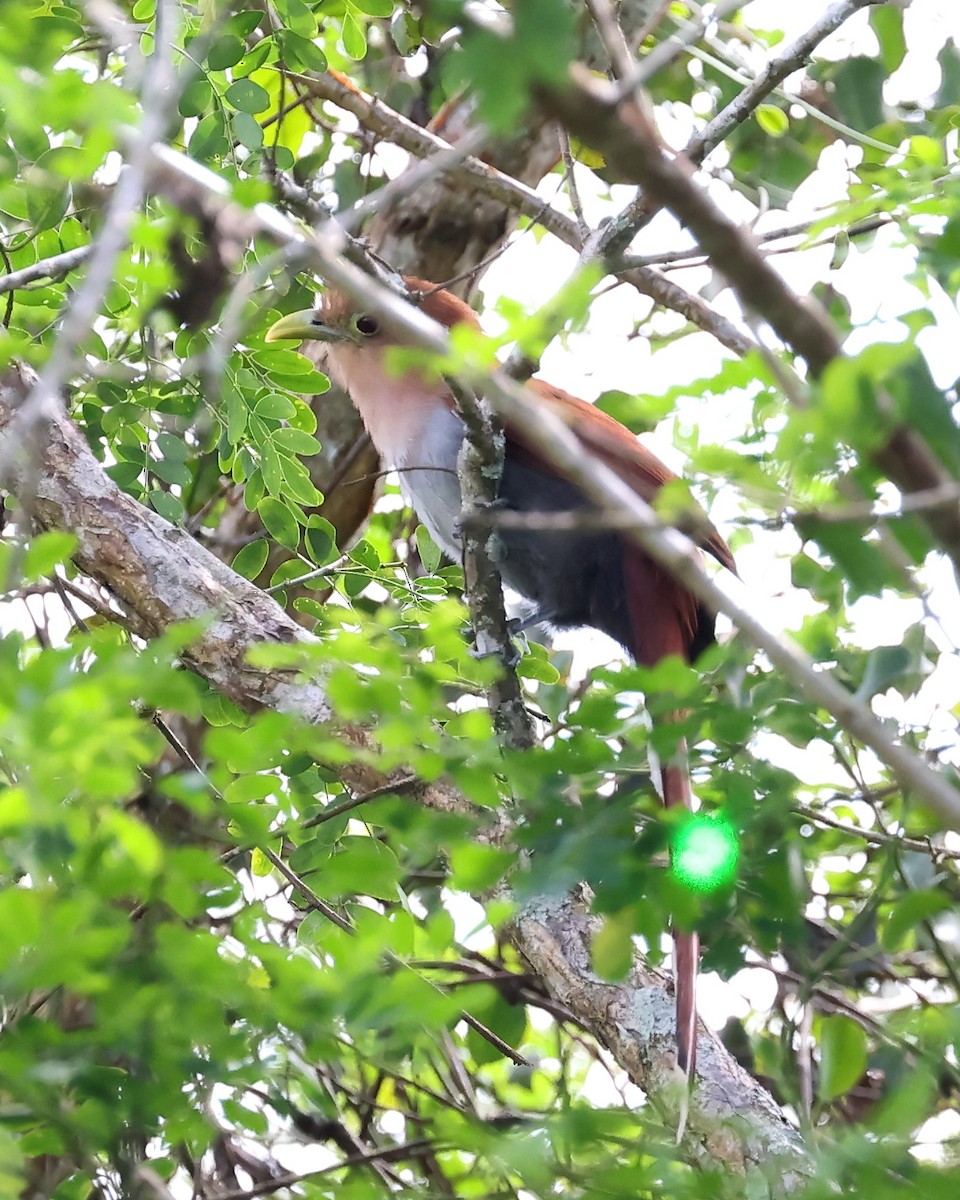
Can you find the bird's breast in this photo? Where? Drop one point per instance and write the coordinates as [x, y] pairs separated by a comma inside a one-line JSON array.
[[417, 433], [427, 467]]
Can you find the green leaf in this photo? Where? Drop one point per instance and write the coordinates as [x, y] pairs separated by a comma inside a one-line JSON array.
[[361, 866], [252, 558], [506, 1021], [172, 471], [772, 120], [167, 506], [948, 60], [320, 540], [535, 665], [297, 16], [247, 130], [405, 32], [275, 406], [272, 469], [887, 23], [886, 666], [225, 52], [504, 69], [476, 868], [45, 552], [300, 53], [373, 8], [858, 92], [173, 447], [279, 522], [254, 59], [209, 139], [611, 950], [843, 1055], [430, 553], [909, 912], [297, 484], [353, 38], [247, 96], [236, 414], [867, 568], [195, 98], [295, 441], [46, 206]]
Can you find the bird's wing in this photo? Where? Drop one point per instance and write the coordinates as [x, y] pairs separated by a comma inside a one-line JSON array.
[[616, 446]]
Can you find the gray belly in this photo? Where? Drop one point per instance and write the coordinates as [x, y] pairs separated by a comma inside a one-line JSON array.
[[428, 480]]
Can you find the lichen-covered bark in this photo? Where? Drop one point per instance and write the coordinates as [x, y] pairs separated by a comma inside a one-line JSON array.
[[635, 1020], [157, 572]]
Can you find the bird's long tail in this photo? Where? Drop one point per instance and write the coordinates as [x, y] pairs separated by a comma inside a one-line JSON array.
[[686, 946]]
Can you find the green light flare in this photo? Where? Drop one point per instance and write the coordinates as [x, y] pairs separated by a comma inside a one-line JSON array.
[[705, 853]]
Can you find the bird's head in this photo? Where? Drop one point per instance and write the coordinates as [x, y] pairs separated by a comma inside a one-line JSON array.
[[339, 321], [336, 320], [352, 345]]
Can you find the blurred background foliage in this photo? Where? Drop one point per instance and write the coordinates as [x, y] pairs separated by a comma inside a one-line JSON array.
[[171, 997]]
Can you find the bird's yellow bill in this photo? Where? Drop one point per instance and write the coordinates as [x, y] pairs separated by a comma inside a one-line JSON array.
[[298, 326]]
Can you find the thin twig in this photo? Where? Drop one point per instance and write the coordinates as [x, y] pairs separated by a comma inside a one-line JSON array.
[[662, 55], [374, 115], [611, 35], [568, 169], [52, 268], [410, 1150], [474, 173], [440, 163], [497, 1042], [631, 146], [319, 573], [866, 511], [337, 810], [305, 890], [693, 256]]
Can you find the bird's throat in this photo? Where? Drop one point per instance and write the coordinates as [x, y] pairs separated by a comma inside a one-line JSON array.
[[412, 424]]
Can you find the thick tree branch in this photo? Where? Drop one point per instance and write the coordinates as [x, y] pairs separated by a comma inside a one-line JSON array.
[[636, 1021]]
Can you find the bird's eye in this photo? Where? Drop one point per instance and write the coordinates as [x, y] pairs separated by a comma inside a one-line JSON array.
[[367, 325]]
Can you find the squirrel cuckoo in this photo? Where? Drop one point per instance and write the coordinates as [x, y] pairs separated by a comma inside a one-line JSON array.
[[574, 578]]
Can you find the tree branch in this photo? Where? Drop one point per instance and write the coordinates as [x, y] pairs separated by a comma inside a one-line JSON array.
[[736, 112], [774, 73], [636, 1021], [52, 268], [471, 172], [480, 469]]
